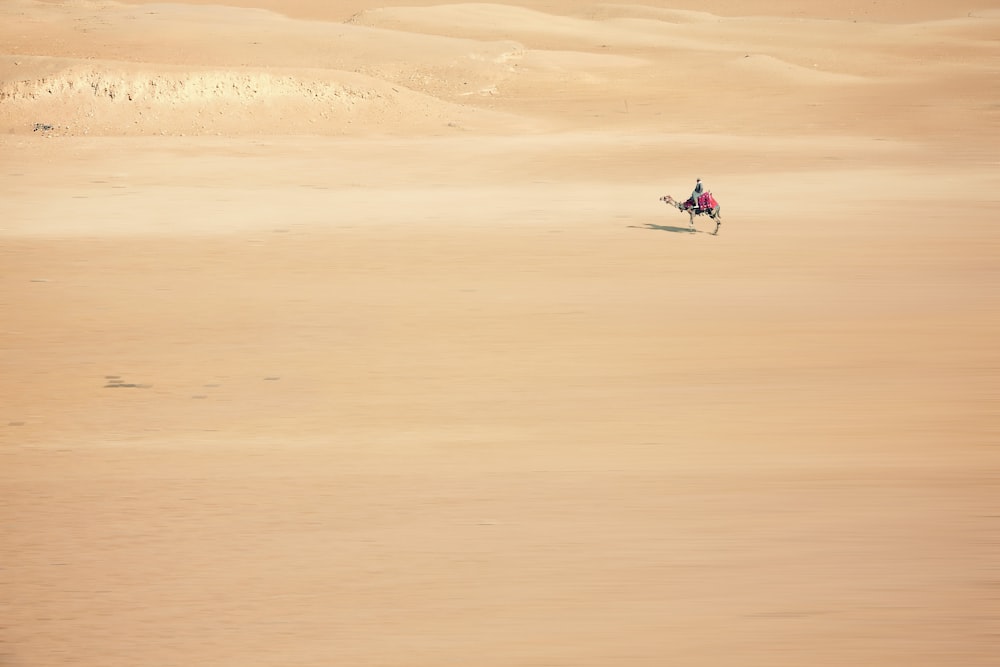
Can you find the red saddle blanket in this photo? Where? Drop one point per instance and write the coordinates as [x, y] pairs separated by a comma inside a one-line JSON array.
[[705, 200]]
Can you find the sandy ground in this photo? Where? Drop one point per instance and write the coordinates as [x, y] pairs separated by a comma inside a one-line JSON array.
[[340, 333]]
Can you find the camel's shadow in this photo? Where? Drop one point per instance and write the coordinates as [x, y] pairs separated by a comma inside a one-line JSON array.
[[669, 228]]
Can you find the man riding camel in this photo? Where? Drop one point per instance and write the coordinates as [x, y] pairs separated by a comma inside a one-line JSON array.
[[692, 206], [699, 189]]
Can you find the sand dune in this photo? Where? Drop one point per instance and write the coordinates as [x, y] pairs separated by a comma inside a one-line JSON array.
[[125, 99], [251, 70], [355, 333]]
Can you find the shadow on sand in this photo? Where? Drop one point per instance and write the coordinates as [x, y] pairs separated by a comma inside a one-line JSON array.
[[669, 228]]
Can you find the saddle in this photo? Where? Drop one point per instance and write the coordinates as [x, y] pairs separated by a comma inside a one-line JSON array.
[[706, 202]]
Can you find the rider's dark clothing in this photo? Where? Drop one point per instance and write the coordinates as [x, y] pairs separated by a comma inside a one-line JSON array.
[[698, 190]]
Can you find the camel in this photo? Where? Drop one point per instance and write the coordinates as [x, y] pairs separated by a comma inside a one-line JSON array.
[[706, 206]]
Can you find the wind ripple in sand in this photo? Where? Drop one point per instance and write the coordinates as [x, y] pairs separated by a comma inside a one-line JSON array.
[[771, 68]]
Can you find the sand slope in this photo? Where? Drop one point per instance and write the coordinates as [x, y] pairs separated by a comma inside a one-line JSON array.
[[250, 71], [354, 333]]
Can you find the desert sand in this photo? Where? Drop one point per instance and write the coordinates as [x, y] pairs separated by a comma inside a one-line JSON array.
[[354, 333]]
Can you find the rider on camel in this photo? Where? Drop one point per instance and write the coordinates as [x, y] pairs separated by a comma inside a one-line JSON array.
[[697, 192]]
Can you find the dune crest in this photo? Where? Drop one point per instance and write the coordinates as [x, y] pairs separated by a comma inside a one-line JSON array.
[[122, 98], [171, 88]]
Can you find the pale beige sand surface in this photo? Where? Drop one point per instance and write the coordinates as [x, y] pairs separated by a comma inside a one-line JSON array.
[[350, 333]]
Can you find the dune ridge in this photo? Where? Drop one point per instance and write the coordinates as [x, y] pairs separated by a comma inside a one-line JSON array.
[[127, 98], [182, 86]]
